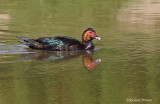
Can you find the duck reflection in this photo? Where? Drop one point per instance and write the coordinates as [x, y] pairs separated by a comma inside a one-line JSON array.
[[87, 57], [88, 61]]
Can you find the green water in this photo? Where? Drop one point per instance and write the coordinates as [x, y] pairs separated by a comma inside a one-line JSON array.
[[125, 64]]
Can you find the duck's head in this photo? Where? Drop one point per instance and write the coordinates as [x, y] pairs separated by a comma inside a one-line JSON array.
[[90, 34]]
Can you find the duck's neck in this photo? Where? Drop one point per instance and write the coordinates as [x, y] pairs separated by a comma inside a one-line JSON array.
[[87, 41], [88, 45]]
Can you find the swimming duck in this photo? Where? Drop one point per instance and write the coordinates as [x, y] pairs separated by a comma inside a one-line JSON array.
[[63, 43]]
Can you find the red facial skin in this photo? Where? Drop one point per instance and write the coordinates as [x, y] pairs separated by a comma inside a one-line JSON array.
[[92, 34]]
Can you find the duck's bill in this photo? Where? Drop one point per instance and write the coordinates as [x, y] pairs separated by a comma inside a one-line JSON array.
[[98, 38]]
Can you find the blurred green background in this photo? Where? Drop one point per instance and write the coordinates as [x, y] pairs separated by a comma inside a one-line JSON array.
[[130, 52]]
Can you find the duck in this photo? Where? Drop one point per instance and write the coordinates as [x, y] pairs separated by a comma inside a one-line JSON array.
[[63, 43]]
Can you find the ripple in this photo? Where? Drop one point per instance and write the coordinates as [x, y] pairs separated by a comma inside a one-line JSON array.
[[14, 49]]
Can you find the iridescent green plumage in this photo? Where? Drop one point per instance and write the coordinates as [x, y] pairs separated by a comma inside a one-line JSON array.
[[59, 41], [53, 41]]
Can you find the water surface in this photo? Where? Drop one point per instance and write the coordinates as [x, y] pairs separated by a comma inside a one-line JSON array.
[[124, 65]]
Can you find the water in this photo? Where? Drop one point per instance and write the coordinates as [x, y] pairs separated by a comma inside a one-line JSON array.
[[124, 67]]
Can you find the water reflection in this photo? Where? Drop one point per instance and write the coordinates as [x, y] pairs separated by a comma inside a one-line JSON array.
[[141, 15], [87, 56], [4, 19]]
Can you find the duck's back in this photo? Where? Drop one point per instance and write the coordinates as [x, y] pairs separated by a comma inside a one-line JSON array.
[[56, 43]]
